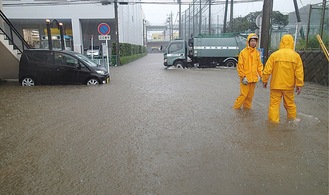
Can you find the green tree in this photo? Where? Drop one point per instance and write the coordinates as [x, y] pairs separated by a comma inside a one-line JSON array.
[[251, 18], [239, 23], [279, 19], [248, 22]]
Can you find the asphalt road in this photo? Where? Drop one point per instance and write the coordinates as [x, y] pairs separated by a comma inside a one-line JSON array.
[[159, 131]]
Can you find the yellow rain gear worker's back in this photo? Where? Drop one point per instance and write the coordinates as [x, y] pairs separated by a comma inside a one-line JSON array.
[[250, 67], [286, 70]]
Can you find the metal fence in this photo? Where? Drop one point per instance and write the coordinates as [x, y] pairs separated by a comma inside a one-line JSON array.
[[318, 23], [202, 17]]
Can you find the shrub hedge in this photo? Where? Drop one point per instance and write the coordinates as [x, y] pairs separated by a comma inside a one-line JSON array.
[[128, 52]]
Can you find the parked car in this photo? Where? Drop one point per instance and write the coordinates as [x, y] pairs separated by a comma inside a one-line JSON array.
[[94, 51], [59, 67]]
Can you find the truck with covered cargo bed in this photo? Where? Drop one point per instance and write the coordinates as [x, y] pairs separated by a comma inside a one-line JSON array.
[[204, 51]]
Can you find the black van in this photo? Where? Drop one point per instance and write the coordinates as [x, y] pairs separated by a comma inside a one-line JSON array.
[[59, 67]]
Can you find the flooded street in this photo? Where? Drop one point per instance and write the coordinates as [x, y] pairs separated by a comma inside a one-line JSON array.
[[159, 131]]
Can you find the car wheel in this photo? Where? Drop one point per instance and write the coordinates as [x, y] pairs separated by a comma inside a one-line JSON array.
[[27, 82], [92, 82], [230, 63], [179, 64]]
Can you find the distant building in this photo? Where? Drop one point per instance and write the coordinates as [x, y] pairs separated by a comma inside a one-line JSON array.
[[176, 35], [157, 37], [163, 36]]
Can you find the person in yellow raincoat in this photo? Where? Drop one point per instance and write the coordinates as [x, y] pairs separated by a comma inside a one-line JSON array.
[[286, 70], [249, 69]]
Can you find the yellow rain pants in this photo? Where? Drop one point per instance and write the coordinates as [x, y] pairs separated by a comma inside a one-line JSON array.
[[245, 97], [288, 103]]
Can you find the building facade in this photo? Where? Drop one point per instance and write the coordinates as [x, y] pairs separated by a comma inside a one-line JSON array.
[[80, 19]]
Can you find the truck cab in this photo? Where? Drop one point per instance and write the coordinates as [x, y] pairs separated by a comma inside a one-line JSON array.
[[175, 54]]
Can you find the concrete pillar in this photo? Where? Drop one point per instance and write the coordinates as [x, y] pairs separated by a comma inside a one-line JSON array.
[[77, 35]]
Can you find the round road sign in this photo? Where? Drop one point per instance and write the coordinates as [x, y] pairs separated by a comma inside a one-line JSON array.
[[259, 20], [103, 29]]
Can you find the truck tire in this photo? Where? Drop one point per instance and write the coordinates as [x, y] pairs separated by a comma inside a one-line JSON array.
[[179, 64], [230, 63]]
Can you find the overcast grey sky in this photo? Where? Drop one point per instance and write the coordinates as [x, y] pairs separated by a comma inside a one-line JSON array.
[[157, 14]]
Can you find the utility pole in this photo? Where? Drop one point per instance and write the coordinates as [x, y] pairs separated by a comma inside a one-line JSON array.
[[180, 19], [322, 17], [189, 22], [146, 37], [185, 23], [193, 25], [266, 24], [171, 28], [117, 42], [308, 27], [231, 17], [209, 25], [200, 19], [171, 31], [144, 27], [225, 16], [298, 20], [217, 30]]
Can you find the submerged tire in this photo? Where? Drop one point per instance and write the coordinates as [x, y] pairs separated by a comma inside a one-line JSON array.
[[230, 63], [179, 64], [92, 81], [28, 82]]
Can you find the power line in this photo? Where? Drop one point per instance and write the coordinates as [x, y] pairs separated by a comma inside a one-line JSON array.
[[169, 2]]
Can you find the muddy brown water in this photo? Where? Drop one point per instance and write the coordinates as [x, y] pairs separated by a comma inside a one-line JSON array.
[[159, 131]]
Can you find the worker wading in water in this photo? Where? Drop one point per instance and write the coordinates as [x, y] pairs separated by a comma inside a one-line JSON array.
[[286, 70], [249, 70]]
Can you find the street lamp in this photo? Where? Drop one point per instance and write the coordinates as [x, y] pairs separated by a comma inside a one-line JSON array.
[[50, 43], [61, 31]]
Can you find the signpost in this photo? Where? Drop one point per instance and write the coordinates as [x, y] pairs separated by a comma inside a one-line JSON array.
[[104, 29], [259, 25], [104, 37]]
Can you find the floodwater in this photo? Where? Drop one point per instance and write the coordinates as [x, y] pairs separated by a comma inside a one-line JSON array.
[[159, 131]]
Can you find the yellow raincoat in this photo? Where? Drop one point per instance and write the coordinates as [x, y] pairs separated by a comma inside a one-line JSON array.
[[249, 66], [286, 70]]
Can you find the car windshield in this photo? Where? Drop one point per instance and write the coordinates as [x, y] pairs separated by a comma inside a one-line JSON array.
[[86, 60]]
